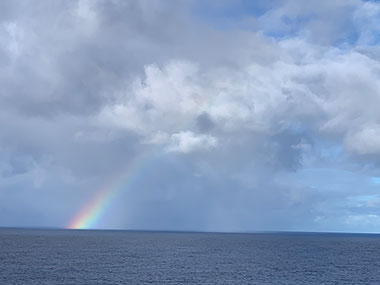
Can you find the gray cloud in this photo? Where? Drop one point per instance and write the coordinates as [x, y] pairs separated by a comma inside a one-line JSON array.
[[241, 108]]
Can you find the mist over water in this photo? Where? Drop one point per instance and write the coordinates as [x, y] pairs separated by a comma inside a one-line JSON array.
[[133, 257]]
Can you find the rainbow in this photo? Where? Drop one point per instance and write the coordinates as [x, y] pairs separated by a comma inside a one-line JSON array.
[[91, 213]]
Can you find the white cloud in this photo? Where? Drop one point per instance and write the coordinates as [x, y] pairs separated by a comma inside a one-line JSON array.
[[367, 21], [364, 141], [187, 141], [370, 222], [165, 100], [335, 91]]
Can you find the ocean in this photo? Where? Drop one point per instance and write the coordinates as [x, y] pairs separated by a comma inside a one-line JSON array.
[[32, 256]]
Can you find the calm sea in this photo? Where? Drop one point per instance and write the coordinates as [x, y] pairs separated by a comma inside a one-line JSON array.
[[127, 257]]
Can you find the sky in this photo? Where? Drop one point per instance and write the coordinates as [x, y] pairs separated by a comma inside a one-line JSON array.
[[190, 115]]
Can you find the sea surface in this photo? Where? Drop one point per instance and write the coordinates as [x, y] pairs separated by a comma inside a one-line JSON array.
[[31, 256]]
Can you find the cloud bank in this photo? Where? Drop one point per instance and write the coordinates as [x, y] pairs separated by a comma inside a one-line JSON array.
[[265, 116]]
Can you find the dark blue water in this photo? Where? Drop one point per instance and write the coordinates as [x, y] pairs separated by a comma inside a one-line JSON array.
[[124, 257]]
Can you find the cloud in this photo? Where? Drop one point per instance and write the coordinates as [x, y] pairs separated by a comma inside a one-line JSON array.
[[187, 141], [365, 141], [258, 116]]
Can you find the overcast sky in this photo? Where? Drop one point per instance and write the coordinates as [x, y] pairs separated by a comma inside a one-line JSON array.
[[232, 115]]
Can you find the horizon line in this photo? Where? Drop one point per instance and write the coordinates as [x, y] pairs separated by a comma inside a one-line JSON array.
[[189, 231]]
